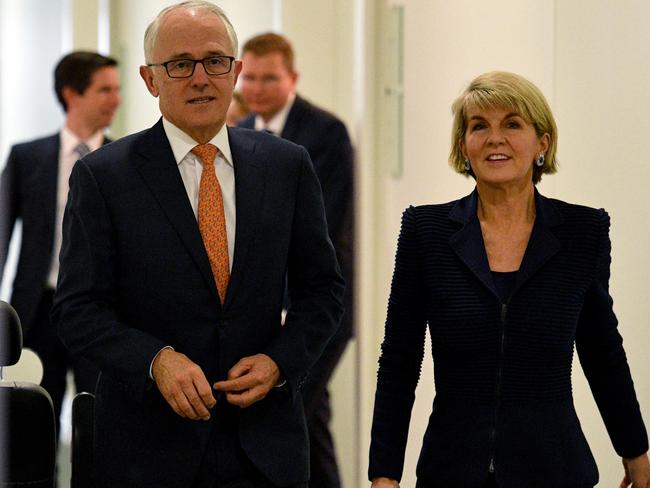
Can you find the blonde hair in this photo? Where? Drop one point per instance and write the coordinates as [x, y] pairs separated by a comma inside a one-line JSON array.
[[151, 33], [500, 89]]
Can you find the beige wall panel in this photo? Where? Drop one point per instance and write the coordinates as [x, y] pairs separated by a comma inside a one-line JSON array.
[[602, 104]]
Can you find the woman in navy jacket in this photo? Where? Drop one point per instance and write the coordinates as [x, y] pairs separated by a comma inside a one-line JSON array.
[[507, 282]]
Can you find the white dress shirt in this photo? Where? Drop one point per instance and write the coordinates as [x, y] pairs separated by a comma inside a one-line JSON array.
[[191, 168], [67, 159]]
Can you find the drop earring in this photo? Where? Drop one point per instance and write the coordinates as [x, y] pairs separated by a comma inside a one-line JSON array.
[[540, 160], [466, 164]]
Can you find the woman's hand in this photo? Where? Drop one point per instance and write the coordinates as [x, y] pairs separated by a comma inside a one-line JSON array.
[[384, 483], [637, 472]]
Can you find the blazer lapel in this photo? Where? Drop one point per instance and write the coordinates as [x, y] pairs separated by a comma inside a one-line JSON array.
[[543, 244], [249, 194], [467, 243], [159, 171], [470, 248]]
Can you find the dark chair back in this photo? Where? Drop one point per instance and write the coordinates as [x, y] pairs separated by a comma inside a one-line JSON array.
[[83, 408], [27, 428]]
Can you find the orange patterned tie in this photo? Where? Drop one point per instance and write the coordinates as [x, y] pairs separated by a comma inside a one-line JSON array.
[[212, 219]]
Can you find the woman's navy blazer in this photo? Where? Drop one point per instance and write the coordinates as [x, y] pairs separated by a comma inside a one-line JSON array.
[[502, 370]]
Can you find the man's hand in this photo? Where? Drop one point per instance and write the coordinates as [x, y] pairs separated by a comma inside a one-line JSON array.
[[183, 384], [637, 472], [249, 380]]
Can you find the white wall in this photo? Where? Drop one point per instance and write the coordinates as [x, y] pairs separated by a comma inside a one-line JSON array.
[[602, 101], [322, 35], [592, 66], [31, 42], [32, 39]]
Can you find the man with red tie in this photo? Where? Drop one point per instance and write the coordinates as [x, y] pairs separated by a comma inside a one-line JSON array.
[[178, 241]]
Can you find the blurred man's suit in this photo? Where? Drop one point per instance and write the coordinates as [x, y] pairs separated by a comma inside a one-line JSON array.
[[327, 141], [135, 277], [29, 194]]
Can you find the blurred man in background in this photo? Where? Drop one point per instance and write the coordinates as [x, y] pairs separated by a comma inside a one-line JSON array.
[[34, 190], [268, 86]]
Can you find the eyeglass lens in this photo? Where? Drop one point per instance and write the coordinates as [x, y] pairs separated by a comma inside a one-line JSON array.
[[214, 65]]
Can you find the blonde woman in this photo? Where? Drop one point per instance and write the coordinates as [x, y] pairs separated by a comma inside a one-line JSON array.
[[507, 282]]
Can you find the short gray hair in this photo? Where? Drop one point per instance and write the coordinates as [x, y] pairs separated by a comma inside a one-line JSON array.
[[151, 33]]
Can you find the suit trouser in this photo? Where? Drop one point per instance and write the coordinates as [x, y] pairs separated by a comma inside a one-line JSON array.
[[43, 339], [323, 466], [225, 465], [491, 482]]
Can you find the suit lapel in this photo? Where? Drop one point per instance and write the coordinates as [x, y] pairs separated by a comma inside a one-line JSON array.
[[292, 124], [248, 122], [49, 179], [159, 171], [249, 194]]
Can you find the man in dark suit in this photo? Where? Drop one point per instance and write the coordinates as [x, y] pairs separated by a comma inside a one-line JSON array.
[[268, 87], [34, 189], [178, 241]]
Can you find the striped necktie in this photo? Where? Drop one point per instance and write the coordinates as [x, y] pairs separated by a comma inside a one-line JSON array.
[[82, 149]]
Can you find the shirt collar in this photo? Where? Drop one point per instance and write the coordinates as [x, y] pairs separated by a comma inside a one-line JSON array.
[[276, 124], [70, 141], [182, 143]]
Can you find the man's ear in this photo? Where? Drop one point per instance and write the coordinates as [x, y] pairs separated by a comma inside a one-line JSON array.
[[147, 76], [69, 96], [295, 76], [237, 69]]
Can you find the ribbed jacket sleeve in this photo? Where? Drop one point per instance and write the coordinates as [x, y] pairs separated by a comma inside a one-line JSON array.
[[401, 357], [603, 360]]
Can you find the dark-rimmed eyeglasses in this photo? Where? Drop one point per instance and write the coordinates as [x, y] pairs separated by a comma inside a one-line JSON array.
[[184, 68]]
